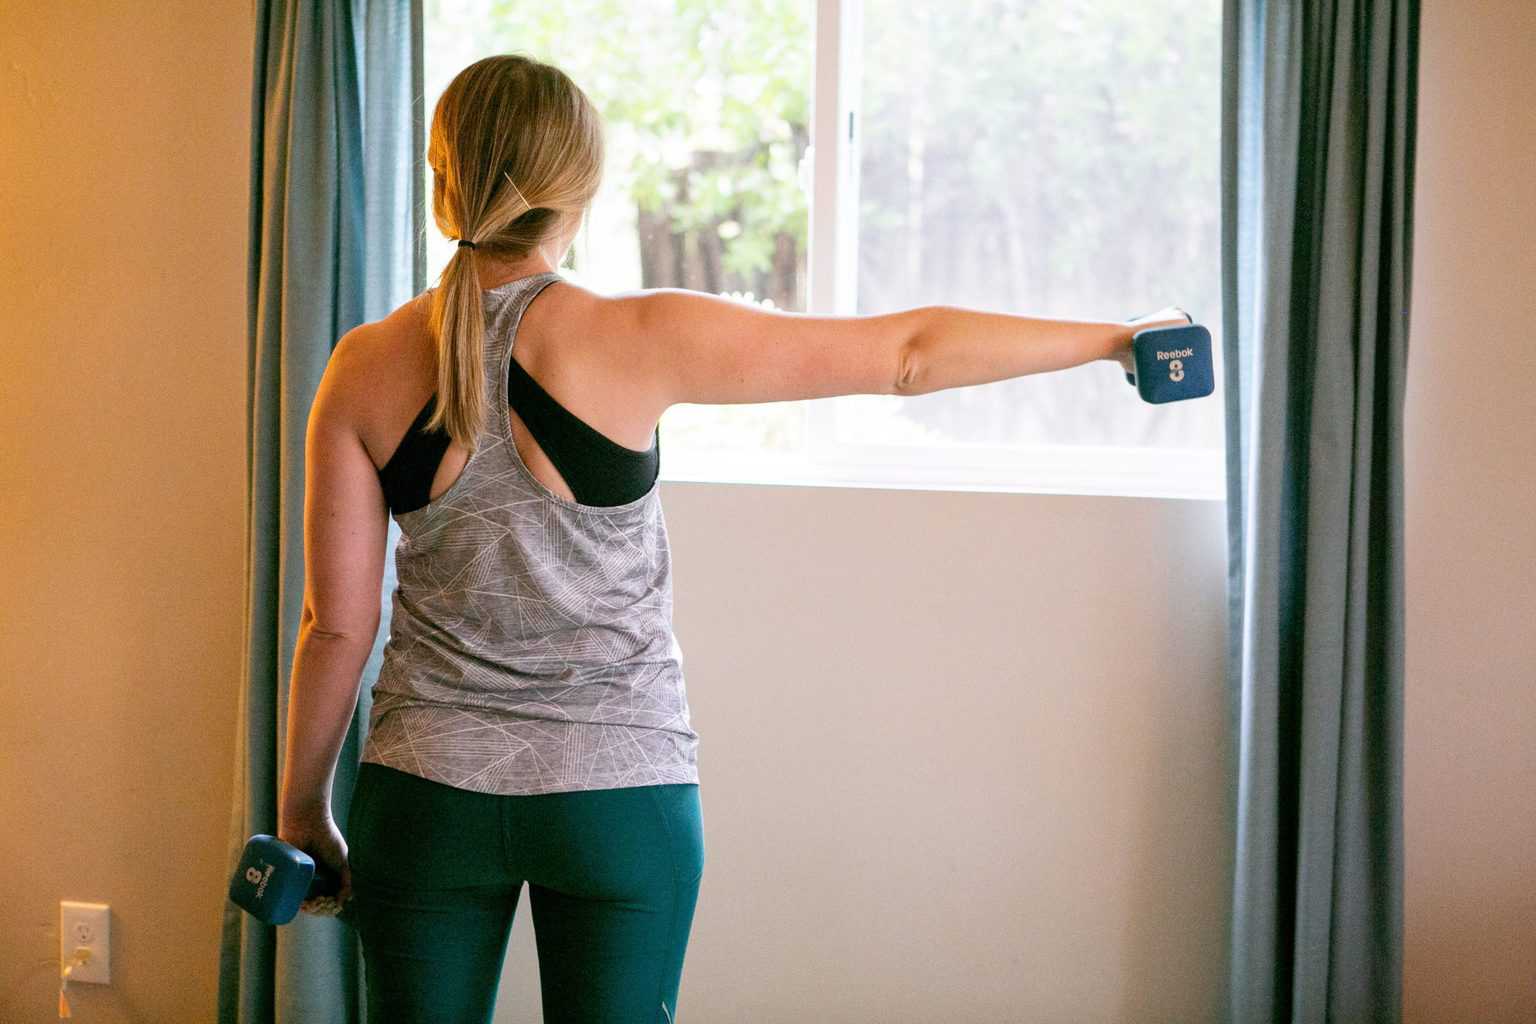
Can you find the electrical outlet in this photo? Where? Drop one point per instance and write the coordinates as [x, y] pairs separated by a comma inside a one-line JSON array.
[[88, 925]]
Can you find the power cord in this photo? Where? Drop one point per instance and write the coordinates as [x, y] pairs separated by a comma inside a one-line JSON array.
[[81, 957]]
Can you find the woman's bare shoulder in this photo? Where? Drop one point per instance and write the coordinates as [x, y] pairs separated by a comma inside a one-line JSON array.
[[388, 356], [396, 335], [410, 317]]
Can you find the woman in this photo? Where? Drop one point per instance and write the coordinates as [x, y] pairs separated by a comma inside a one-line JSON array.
[[530, 721]]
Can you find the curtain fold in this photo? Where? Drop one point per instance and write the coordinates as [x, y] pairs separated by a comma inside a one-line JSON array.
[[335, 240], [1319, 119]]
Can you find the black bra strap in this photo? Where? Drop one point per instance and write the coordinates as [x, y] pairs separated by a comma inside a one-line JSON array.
[[599, 470]]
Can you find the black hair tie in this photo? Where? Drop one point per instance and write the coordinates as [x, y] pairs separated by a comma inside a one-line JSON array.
[[463, 244]]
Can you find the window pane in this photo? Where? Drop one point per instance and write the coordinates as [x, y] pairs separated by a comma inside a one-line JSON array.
[[1051, 158], [706, 110]]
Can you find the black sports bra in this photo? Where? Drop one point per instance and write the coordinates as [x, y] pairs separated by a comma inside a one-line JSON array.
[[599, 471]]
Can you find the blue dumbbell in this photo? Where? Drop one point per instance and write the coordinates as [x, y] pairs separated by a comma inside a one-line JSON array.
[[274, 877], [1172, 363]]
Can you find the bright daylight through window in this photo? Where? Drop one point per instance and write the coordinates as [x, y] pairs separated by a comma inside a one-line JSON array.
[[1054, 158]]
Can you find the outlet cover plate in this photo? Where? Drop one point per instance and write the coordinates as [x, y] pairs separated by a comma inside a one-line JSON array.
[[86, 924]]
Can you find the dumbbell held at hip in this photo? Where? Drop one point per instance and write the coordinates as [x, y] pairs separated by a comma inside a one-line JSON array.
[[1169, 362], [274, 877]]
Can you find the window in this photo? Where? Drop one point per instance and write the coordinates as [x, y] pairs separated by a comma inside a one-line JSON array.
[[1046, 157]]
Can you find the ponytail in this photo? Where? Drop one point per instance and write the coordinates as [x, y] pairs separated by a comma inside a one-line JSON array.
[[502, 115]]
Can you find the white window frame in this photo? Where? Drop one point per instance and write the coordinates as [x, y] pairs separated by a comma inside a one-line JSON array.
[[833, 159]]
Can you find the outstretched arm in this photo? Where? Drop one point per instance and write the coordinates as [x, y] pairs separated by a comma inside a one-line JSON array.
[[957, 347]]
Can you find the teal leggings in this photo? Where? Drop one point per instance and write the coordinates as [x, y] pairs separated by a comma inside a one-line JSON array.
[[613, 875]]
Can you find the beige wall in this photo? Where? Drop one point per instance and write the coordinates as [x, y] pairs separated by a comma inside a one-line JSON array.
[[124, 172], [1470, 826], [1009, 803]]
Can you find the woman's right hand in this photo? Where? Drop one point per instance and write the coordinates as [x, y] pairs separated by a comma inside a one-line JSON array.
[[1168, 316], [315, 833]]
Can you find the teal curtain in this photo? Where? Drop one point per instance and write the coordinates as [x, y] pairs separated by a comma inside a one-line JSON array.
[[335, 240], [1319, 106]]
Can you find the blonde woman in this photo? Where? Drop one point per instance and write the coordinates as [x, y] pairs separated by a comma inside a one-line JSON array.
[[530, 722]]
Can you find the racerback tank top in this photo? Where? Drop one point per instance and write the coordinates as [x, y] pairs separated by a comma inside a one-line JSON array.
[[530, 644]]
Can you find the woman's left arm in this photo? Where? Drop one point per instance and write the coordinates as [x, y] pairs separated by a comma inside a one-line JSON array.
[[346, 525]]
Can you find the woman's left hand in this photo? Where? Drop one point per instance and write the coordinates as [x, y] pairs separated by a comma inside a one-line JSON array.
[[317, 835], [1168, 316]]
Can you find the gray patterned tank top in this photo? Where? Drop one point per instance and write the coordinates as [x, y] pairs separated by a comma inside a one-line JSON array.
[[530, 644]]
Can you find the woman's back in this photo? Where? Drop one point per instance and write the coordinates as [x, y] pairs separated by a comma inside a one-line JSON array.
[[573, 345], [530, 646]]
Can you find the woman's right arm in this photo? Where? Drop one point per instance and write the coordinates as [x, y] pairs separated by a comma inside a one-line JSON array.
[[710, 350]]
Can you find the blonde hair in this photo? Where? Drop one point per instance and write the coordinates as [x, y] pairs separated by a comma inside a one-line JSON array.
[[516, 151]]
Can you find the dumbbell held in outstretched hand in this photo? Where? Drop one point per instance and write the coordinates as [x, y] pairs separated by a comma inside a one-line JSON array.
[[1170, 363], [274, 877]]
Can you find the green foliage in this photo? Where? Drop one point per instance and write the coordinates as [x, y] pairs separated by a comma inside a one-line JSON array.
[[702, 101]]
